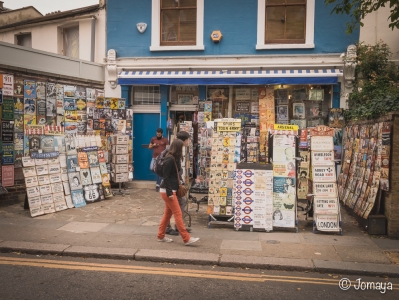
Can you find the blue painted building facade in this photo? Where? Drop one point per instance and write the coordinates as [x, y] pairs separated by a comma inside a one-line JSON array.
[[241, 58]]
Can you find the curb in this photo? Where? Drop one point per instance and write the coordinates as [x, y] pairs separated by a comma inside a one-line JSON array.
[[197, 258]]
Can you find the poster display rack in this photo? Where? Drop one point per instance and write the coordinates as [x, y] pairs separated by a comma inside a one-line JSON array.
[[326, 207], [225, 153]]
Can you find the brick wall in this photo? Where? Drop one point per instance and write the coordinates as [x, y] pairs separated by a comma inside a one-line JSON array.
[[391, 210]]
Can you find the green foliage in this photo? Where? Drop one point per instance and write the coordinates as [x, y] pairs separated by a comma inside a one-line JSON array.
[[358, 9], [376, 87]]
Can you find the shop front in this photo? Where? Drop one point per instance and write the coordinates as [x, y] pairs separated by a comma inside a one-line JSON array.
[[231, 115]]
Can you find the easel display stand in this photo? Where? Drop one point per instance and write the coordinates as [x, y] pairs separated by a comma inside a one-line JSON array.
[[327, 213], [225, 153], [120, 162]]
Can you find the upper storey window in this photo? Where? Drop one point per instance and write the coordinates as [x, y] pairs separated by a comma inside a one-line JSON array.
[[177, 25], [285, 24]]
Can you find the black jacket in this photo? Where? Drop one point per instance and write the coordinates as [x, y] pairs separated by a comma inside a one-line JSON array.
[[170, 180]]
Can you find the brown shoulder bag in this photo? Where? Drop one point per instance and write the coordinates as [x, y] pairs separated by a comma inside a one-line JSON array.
[[182, 190]]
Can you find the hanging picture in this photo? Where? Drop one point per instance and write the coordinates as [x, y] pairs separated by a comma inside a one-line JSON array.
[[85, 176], [281, 96], [336, 117], [282, 113], [298, 110], [29, 89], [316, 95], [299, 95]]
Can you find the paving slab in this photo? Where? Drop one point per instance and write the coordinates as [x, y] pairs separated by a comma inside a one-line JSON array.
[[72, 238], [289, 264], [300, 251], [18, 222], [361, 254], [119, 229], [278, 237], [100, 252], [32, 248], [322, 239], [121, 241], [198, 258], [49, 224], [26, 234], [386, 244], [364, 269], [241, 245], [81, 227]]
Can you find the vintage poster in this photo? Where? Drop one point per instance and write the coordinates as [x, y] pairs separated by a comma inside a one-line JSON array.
[[8, 154], [90, 95], [72, 163], [51, 91], [41, 90], [30, 106], [281, 96], [29, 89], [71, 128], [7, 131], [336, 117], [299, 94], [18, 87], [323, 173], [8, 85], [70, 104], [298, 110], [322, 143], [283, 148], [78, 198], [327, 222], [18, 141], [326, 206], [7, 176], [8, 109], [80, 92], [51, 108], [81, 104], [18, 106], [282, 114], [91, 193], [74, 181], [82, 160], [325, 189], [323, 158], [69, 91], [284, 169], [85, 176]]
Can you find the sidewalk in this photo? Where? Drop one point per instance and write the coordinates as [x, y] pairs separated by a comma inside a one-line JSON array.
[[126, 228]]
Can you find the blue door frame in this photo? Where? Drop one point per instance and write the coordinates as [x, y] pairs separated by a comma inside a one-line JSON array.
[[144, 128]]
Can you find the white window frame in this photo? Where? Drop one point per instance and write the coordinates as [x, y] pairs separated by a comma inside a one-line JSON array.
[[156, 25], [309, 39]]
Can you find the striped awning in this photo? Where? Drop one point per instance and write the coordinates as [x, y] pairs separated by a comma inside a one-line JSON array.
[[230, 77]]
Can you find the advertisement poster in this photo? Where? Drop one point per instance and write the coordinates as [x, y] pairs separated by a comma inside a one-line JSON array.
[[322, 143], [7, 131], [323, 158], [7, 176], [18, 105], [8, 109], [323, 173], [8, 154], [283, 148], [29, 89], [8, 85], [284, 169], [298, 110], [41, 90], [77, 198]]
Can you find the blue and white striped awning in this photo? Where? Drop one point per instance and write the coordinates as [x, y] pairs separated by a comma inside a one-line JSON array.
[[230, 77]]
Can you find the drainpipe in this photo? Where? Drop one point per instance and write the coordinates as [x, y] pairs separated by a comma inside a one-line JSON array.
[[93, 38]]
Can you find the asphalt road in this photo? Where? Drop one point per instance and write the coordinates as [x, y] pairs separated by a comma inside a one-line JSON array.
[[52, 277]]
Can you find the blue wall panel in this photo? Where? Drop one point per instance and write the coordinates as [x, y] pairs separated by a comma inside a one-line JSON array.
[[236, 19]]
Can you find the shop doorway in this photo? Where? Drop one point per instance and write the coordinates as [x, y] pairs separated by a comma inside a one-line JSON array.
[[144, 128]]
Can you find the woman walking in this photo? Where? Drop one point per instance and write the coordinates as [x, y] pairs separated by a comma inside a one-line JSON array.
[[168, 188]]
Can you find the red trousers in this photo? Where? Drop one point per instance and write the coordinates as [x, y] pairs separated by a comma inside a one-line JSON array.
[[172, 208]]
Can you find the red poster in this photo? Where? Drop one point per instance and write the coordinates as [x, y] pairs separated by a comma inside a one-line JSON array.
[[7, 175]]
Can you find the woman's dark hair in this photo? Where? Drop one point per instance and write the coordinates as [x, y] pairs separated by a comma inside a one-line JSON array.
[[183, 135], [176, 149]]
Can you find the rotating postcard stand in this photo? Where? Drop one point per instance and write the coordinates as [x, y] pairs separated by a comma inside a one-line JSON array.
[[225, 153], [326, 207], [284, 210]]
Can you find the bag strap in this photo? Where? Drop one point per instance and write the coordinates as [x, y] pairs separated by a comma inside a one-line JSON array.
[[177, 170]]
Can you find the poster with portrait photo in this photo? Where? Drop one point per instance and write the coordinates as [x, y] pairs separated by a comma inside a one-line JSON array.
[[90, 95], [80, 92], [282, 113], [74, 181], [51, 90], [129, 114], [90, 110], [82, 128], [41, 90], [122, 114], [18, 123], [51, 107], [18, 105], [18, 87], [34, 143]]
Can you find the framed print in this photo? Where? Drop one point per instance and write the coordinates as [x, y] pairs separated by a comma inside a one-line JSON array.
[[184, 99], [316, 95], [298, 110]]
